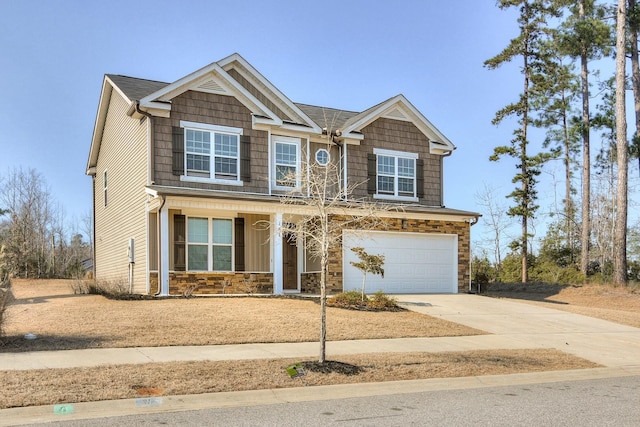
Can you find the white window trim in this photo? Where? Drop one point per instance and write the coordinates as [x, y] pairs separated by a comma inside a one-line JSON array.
[[396, 154], [210, 244], [328, 156], [292, 141], [214, 129]]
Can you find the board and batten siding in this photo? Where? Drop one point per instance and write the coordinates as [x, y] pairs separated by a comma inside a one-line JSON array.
[[395, 135], [123, 154]]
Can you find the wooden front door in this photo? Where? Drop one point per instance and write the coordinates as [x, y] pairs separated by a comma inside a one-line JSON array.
[[289, 264]]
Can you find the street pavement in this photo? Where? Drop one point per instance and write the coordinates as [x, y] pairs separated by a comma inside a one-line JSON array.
[[511, 325]]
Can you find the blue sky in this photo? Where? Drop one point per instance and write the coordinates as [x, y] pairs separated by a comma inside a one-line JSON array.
[[343, 54]]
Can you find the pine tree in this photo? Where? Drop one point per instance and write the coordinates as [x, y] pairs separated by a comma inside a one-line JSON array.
[[586, 36], [530, 46]]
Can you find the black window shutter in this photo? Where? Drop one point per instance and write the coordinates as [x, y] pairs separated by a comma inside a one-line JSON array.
[[245, 158], [179, 235], [178, 150], [420, 177], [239, 244], [372, 173]]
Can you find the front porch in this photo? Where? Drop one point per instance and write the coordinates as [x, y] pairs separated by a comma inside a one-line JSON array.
[[201, 247]]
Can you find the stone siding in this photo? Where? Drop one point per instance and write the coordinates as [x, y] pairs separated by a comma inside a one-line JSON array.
[[462, 229], [192, 283]]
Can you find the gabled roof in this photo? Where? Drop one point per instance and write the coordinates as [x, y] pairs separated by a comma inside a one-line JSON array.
[[399, 108], [330, 118], [234, 76], [135, 89]]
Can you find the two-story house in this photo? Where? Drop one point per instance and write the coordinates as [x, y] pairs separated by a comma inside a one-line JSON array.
[[184, 171]]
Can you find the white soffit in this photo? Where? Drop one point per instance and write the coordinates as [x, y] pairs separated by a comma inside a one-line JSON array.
[[212, 86], [397, 113]]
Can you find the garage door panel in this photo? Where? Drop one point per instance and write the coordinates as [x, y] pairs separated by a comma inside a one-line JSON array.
[[414, 263]]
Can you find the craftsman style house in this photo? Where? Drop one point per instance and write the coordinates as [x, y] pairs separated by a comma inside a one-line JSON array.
[[184, 171]]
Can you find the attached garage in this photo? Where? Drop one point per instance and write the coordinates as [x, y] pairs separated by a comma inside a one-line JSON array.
[[414, 262]]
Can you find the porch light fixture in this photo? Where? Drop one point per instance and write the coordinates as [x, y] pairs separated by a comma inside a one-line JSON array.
[[405, 224]]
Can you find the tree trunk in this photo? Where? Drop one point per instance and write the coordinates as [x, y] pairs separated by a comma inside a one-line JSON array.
[[635, 77], [586, 155], [323, 309], [525, 203], [620, 237], [568, 200]]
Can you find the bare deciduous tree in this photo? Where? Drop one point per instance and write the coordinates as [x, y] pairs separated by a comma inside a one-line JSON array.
[[324, 206]]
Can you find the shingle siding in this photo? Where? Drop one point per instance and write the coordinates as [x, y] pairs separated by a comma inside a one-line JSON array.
[[395, 135], [123, 155], [215, 110]]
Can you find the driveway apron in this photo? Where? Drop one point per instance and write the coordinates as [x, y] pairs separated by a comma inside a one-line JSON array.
[[607, 343]]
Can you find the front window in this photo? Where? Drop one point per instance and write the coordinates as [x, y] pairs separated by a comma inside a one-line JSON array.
[[212, 153], [396, 174], [286, 163], [209, 244]]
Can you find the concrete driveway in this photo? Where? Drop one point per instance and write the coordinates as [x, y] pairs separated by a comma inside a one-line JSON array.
[[530, 326]]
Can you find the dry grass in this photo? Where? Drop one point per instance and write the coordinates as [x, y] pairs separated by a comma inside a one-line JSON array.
[[41, 387], [613, 303], [62, 320]]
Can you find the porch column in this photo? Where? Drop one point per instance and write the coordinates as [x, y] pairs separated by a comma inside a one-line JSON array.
[[163, 268], [276, 238]]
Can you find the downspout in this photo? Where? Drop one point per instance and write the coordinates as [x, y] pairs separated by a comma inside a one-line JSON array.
[[472, 221], [93, 226], [152, 147], [158, 251], [150, 181], [442, 176]]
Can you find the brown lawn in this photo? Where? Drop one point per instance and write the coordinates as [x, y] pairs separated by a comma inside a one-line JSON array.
[[64, 321], [613, 303]]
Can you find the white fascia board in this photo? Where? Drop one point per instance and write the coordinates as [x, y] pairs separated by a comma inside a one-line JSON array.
[[200, 76], [153, 193], [101, 116], [178, 84], [417, 118], [255, 75], [425, 125]]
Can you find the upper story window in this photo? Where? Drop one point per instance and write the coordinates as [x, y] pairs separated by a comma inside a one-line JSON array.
[[286, 162], [211, 153], [322, 157], [396, 175]]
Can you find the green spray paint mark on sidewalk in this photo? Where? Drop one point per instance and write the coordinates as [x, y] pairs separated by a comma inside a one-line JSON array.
[[63, 409]]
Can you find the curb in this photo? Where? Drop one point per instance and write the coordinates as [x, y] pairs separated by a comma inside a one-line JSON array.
[[152, 405]]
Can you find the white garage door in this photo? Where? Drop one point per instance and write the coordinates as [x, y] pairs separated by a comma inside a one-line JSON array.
[[414, 263]]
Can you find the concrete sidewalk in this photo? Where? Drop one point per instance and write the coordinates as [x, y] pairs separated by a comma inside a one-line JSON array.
[[510, 325], [607, 343]]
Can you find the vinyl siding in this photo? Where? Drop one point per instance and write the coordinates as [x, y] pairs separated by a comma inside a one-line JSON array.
[[399, 136], [256, 243], [123, 154]]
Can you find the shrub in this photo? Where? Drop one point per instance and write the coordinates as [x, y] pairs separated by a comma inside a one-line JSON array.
[[346, 299], [6, 298], [107, 288], [81, 286], [382, 301], [353, 300]]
